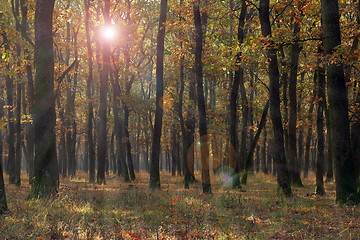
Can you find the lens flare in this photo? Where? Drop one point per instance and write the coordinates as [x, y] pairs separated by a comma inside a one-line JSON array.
[[108, 33]]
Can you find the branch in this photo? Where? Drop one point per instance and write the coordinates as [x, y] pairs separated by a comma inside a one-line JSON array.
[[62, 76], [253, 4], [281, 12]]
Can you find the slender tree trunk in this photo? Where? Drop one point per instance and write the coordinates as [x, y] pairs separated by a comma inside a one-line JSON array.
[[155, 152], [128, 143], [30, 91], [29, 135], [102, 131], [204, 145], [346, 184], [301, 127], [236, 157], [294, 55], [320, 163], [17, 160], [264, 163], [174, 150], [285, 87], [18, 131], [46, 179], [3, 203], [23, 28], [119, 127], [70, 123], [10, 166], [254, 143], [186, 134], [283, 177], [90, 110], [309, 131], [329, 157]]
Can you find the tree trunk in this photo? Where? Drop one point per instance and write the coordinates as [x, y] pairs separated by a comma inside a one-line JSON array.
[[320, 163], [346, 184], [3, 203], [128, 143], [264, 163], [119, 127], [254, 143], [236, 157], [283, 177], [10, 166], [285, 87], [186, 135], [329, 157], [70, 123], [355, 127], [294, 55], [155, 152], [18, 129], [174, 150], [301, 127], [90, 110], [102, 131], [24, 28], [204, 146], [309, 131], [46, 179]]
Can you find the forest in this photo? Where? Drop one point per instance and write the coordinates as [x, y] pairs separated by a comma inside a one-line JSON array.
[[183, 119]]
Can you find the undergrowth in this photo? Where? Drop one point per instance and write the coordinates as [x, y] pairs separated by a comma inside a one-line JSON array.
[[121, 210]]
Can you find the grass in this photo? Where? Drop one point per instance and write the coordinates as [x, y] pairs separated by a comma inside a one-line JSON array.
[[121, 210]]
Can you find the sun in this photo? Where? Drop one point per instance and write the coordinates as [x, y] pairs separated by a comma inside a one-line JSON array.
[[108, 33]]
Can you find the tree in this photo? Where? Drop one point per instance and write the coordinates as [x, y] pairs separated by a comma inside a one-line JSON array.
[[283, 177], [90, 108], [155, 151], [102, 138], [204, 146], [320, 162], [254, 142], [346, 184], [294, 63], [46, 178], [10, 119], [238, 81], [355, 127], [3, 203]]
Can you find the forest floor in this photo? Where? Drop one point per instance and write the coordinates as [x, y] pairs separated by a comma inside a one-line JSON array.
[[121, 210]]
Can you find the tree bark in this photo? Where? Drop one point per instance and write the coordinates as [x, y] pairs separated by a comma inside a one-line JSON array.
[[10, 166], [254, 143], [90, 110], [155, 152], [46, 179], [309, 131], [346, 184], [128, 143], [3, 202], [329, 157], [264, 163], [294, 55], [204, 145], [102, 131], [355, 127], [119, 127], [283, 177], [237, 157], [320, 162]]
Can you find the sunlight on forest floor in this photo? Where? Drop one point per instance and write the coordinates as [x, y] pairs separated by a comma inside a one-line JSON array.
[[121, 210]]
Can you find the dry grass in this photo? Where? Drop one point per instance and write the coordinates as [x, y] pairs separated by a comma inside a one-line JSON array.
[[121, 210]]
